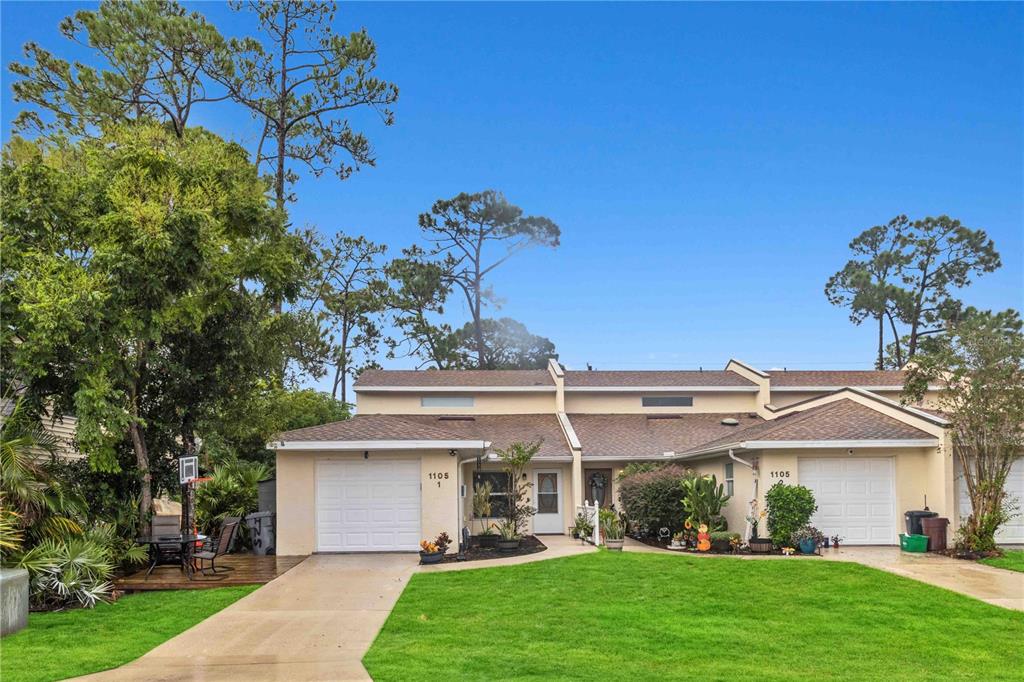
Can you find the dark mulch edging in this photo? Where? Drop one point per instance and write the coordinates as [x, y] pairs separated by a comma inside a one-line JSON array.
[[655, 542], [529, 545], [968, 555]]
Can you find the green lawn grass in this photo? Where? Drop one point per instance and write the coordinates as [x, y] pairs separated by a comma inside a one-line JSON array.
[[65, 644], [1012, 560], [611, 616]]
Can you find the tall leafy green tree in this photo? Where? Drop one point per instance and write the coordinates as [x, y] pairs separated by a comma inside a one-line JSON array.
[[476, 233], [123, 252], [867, 283], [418, 301], [156, 57], [301, 81], [352, 295], [979, 362], [943, 256], [907, 274], [508, 344]]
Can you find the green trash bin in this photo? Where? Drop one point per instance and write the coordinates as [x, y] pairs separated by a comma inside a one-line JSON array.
[[914, 543]]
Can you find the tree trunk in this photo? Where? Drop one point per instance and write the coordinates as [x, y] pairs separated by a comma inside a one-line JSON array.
[[145, 476], [880, 363], [897, 344]]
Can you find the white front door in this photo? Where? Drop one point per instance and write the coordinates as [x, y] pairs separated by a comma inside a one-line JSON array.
[[1011, 532], [856, 497], [368, 505], [547, 488]]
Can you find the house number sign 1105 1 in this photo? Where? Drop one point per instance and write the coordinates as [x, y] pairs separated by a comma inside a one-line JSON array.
[[438, 476], [780, 474]]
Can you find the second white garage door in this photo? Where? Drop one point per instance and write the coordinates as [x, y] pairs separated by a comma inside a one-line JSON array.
[[368, 505], [1011, 532], [856, 497]]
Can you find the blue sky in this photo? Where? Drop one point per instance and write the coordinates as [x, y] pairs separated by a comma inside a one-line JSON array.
[[707, 163]]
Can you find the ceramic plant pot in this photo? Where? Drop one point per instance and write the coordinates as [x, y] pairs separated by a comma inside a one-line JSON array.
[[431, 557], [489, 541], [808, 546], [614, 545]]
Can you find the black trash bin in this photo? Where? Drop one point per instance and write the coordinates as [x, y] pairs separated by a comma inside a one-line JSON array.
[[914, 517]]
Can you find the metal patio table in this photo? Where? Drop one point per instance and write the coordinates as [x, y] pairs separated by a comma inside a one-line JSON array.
[[185, 543]]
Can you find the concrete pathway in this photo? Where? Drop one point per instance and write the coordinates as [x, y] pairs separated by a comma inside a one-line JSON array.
[[315, 622], [989, 584]]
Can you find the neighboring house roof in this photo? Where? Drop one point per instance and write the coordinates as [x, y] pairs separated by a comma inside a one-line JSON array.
[[653, 378], [371, 427], [820, 378], [503, 429], [645, 436], [841, 420], [498, 430], [447, 378]]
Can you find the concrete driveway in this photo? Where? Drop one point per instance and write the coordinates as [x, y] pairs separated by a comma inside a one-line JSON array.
[[315, 622]]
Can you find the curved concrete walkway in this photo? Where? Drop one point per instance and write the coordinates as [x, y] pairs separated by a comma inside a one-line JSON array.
[[315, 622]]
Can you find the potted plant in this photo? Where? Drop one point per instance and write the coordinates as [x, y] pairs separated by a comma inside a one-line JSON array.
[[482, 511], [509, 538], [612, 529], [582, 528], [808, 539], [678, 540], [835, 541], [515, 460], [757, 544], [430, 553]]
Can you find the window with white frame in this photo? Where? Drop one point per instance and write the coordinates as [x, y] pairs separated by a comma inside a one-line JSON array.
[[728, 478], [446, 401], [499, 491]]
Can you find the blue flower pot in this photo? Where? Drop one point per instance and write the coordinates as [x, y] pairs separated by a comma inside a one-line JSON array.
[[808, 546]]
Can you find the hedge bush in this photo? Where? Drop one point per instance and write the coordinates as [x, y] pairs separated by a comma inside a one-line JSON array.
[[654, 499], [789, 509]]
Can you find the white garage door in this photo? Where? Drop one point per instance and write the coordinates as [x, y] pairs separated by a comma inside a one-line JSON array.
[[368, 505], [1011, 532], [856, 497]]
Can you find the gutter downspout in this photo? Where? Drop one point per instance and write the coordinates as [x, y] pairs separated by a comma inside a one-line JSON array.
[[753, 492]]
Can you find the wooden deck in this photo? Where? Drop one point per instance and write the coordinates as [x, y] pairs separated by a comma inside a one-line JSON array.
[[247, 569]]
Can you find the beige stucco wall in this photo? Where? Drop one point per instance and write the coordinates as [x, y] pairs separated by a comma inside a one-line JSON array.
[[738, 507], [296, 495], [918, 472], [785, 398], [630, 403], [526, 402]]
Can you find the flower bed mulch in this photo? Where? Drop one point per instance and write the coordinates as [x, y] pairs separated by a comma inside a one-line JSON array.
[[529, 545], [969, 555], [655, 542]]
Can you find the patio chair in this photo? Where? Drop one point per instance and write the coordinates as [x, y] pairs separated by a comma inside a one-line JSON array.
[[218, 547], [169, 554]]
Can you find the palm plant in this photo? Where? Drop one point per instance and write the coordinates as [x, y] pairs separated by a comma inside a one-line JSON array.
[[232, 492], [28, 490]]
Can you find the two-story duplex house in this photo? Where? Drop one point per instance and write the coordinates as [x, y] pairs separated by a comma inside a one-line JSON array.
[[404, 468]]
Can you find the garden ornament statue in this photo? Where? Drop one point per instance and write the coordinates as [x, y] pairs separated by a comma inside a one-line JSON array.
[[703, 538]]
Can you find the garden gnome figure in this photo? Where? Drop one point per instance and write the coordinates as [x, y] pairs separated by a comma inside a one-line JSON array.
[[703, 538]]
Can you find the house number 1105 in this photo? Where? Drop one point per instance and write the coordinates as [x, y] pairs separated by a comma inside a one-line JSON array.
[[780, 474], [438, 476]]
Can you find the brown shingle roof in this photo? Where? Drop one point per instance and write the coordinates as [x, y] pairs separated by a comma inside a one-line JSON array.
[[442, 378], [503, 429], [635, 378], [840, 420], [371, 427], [871, 377], [649, 436]]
